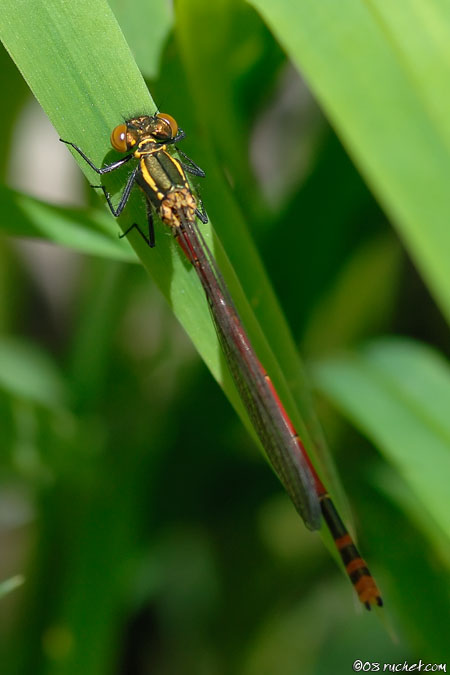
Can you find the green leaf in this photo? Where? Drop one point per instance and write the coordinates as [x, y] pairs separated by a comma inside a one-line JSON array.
[[380, 71], [90, 232], [76, 61], [397, 392], [78, 65]]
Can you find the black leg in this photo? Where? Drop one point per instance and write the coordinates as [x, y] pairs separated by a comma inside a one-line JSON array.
[[201, 212], [151, 228], [179, 137], [105, 169], [150, 240], [191, 167], [136, 226], [116, 211]]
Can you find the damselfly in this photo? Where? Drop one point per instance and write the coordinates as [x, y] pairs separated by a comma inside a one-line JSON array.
[[163, 180]]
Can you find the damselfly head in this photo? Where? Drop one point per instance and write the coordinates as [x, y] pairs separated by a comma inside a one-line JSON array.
[[160, 127]]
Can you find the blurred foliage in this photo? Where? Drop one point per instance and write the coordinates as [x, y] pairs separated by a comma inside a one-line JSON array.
[[134, 504]]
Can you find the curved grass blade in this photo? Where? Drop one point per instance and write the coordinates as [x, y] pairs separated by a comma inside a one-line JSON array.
[[79, 67], [381, 70], [398, 393], [88, 232]]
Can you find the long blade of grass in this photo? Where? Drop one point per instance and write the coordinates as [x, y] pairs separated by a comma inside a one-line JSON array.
[[79, 67], [381, 71], [398, 394], [84, 231]]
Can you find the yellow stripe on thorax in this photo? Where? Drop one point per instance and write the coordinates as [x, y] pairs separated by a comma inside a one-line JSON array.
[[148, 176], [180, 169]]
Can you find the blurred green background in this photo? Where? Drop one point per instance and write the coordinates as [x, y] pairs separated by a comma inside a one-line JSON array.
[[141, 530]]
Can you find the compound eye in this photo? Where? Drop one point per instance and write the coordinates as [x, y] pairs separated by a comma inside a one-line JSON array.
[[170, 121], [119, 138]]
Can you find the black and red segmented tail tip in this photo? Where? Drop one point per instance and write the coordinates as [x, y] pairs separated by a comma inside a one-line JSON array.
[[355, 566], [358, 572]]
